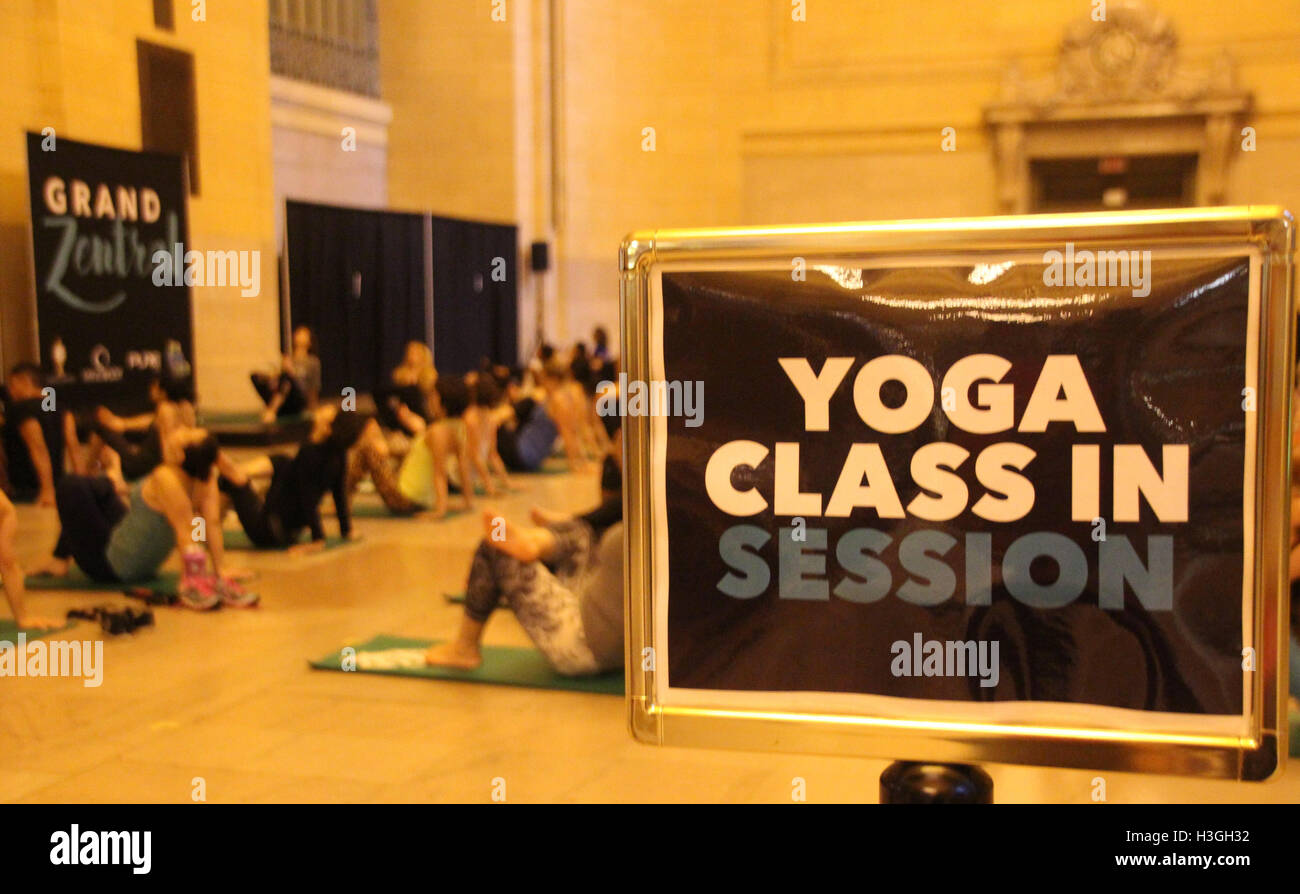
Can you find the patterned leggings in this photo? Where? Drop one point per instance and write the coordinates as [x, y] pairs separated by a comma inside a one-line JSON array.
[[368, 461], [546, 602]]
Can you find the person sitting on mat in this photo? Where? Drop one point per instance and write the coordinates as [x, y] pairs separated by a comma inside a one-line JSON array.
[[173, 401], [296, 387], [11, 573], [527, 435], [116, 541], [423, 478], [408, 405], [567, 409], [291, 503], [40, 437], [567, 596], [372, 456], [486, 412]]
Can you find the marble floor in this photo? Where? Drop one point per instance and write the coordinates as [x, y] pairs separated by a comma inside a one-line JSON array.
[[226, 702]]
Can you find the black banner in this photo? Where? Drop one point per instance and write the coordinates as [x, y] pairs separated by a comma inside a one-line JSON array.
[[100, 217], [1062, 515]]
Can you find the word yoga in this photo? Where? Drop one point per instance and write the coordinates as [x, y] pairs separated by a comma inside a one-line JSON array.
[[866, 488]]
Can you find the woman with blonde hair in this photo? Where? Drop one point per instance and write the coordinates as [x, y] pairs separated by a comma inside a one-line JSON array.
[[411, 401]]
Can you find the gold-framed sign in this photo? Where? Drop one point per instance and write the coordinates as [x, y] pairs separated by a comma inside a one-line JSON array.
[[1006, 489]]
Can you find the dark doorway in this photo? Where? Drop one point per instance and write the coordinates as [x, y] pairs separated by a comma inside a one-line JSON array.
[[1113, 183]]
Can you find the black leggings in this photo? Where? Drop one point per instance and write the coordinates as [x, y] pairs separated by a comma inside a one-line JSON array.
[[89, 509], [259, 517], [295, 399]]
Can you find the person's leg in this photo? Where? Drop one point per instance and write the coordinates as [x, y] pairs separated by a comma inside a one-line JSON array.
[[547, 609], [263, 386], [11, 572], [550, 613], [521, 542], [367, 459], [564, 544], [295, 399], [481, 597], [566, 547], [439, 441], [248, 507], [88, 509]]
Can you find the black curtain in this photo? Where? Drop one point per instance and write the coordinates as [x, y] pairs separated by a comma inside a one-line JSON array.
[[356, 278], [475, 298]]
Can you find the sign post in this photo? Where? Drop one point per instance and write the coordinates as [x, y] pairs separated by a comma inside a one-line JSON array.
[[1004, 489]]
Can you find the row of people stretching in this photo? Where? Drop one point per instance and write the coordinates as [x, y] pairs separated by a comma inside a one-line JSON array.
[[126, 507]]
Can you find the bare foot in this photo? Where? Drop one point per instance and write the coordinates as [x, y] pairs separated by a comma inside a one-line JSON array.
[[37, 622], [546, 517], [508, 538], [53, 568], [453, 655]]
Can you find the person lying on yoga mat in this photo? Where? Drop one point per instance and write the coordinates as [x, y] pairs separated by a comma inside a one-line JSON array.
[[291, 503], [567, 595], [11, 573], [423, 477], [408, 405], [115, 540], [296, 386], [527, 435], [173, 402], [40, 437]]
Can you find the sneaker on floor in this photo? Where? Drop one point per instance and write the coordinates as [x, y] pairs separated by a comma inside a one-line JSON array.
[[198, 594], [233, 594]]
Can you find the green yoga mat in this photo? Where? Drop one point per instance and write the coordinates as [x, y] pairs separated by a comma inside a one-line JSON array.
[[238, 540], [75, 580], [502, 665], [549, 467], [9, 631]]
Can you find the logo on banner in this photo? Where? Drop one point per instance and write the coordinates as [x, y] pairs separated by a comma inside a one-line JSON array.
[[101, 367], [120, 253]]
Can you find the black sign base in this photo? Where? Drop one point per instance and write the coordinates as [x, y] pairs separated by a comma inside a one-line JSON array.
[[916, 782]]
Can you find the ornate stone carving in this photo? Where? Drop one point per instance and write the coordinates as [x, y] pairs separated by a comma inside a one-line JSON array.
[[1132, 56], [1119, 87]]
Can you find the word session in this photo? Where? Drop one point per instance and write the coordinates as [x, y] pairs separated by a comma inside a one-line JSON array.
[[866, 487]]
